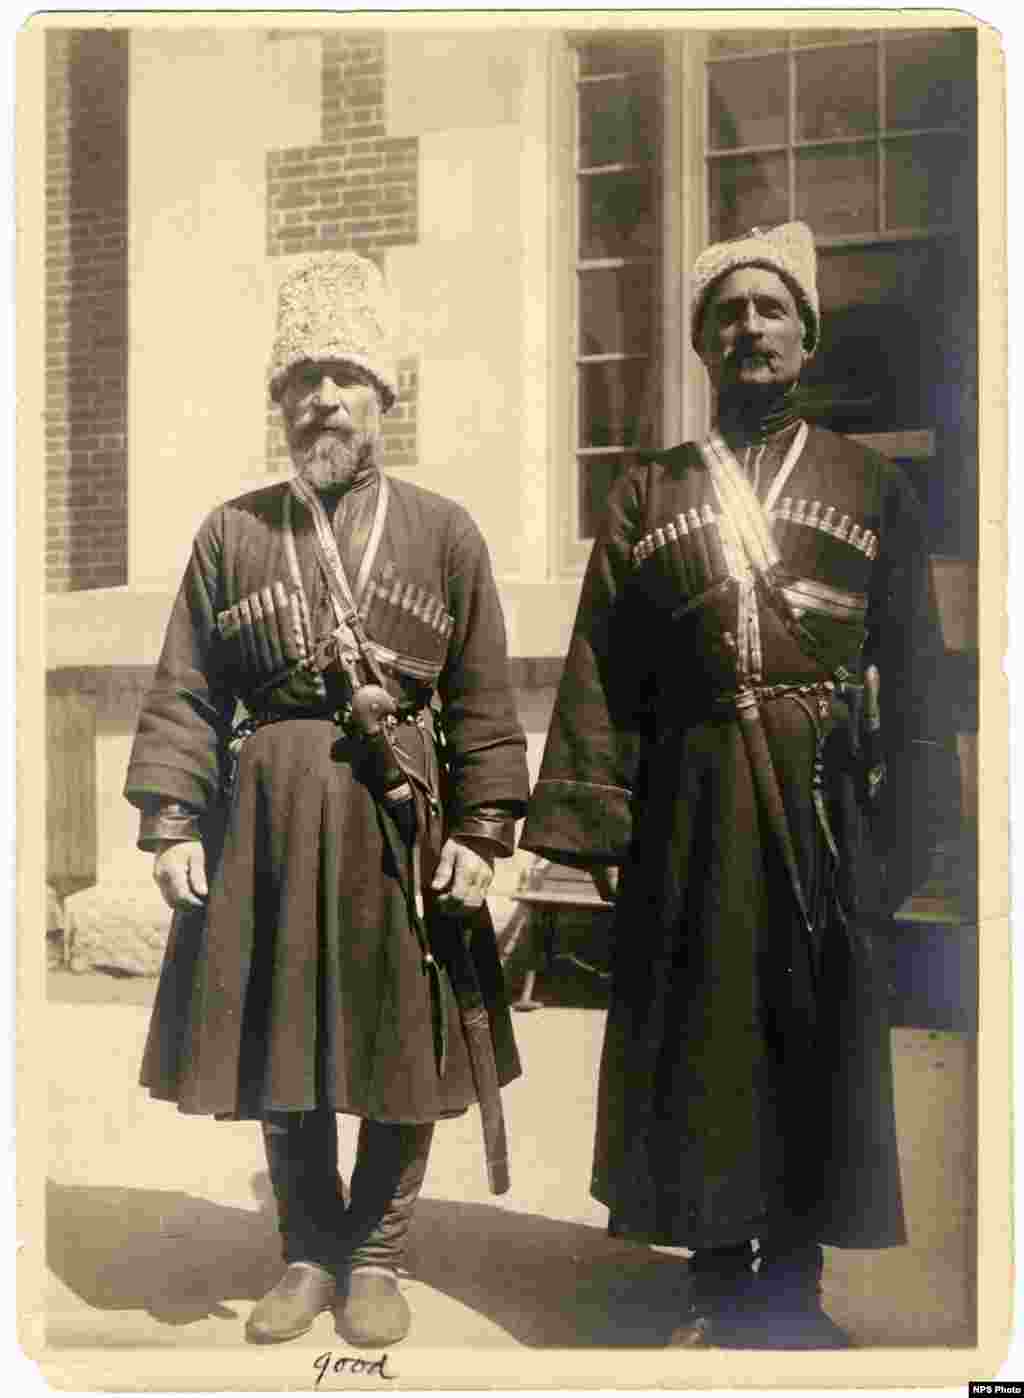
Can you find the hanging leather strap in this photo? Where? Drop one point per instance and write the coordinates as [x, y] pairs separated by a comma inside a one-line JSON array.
[[343, 603]]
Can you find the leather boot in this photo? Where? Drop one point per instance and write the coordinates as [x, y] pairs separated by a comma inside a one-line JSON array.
[[290, 1308], [721, 1282], [789, 1298], [391, 1163]]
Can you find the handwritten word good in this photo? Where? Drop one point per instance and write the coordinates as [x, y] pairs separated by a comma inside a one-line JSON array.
[[349, 1365]]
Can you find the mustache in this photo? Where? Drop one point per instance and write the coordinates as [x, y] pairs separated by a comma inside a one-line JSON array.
[[307, 429], [749, 352], [750, 359]]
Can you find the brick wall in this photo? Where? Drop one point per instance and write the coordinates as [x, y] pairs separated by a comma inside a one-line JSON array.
[[86, 309], [358, 189]]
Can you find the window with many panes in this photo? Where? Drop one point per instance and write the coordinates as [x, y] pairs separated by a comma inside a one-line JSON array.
[[618, 197], [862, 135]]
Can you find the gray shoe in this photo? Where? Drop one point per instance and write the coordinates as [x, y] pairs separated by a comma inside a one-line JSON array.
[[290, 1308], [371, 1310]]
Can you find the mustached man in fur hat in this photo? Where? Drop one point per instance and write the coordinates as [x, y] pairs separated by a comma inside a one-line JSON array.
[[327, 765], [754, 646]]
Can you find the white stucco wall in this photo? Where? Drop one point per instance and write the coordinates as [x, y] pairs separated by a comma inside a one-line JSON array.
[[460, 287], [441, 81], [205, 109], [458, 290]]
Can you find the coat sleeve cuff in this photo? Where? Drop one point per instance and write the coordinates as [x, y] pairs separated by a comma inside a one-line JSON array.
[[493, 828], [579, 823], [167, 822]]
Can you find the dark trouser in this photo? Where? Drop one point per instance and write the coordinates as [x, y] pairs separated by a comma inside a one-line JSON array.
[[302, 1156], [788, 1272], [721, 1276]]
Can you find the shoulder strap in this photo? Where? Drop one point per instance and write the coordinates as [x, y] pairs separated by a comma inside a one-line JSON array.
[[376, 534], [749, 525], [326, 550], [786, 469], [346, 613], [749, 518]]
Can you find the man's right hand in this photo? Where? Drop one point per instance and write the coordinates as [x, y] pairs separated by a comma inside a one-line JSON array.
[[179, 871]]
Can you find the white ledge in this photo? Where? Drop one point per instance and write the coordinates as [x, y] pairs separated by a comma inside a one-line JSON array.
[[125, 625]]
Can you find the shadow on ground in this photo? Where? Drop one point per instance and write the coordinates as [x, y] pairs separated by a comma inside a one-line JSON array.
[[172, 1254], [182, 1259], [547, 1282]]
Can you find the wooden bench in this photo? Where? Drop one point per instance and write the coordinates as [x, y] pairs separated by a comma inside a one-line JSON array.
[[548, 889], [933, 948], [931, 945]]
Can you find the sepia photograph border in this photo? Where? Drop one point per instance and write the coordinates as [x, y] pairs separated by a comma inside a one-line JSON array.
[[248, 1369]]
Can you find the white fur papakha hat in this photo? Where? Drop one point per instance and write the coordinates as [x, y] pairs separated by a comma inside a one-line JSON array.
[[787, 250], [334, 306]]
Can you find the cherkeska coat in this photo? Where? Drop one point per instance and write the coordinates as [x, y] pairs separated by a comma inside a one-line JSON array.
[[745, 1084], [301, 983]]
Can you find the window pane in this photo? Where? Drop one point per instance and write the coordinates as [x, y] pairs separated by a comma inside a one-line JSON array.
[[898, 351], [746, 40], [618, 56], [618, 122], [882, 343], [747, 103], [597, 475], [746, 191], [804, 38], [922, 178], [617, 215], [617, 403], [837, 190], [930, 79], [615, 310], [619, 110], [837, 93]]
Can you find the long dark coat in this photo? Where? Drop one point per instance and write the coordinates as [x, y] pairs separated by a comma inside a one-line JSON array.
[[745, 1084], [302, 983]]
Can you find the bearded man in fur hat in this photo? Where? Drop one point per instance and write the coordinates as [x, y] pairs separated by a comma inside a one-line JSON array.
[[754, 645], [327, 765]]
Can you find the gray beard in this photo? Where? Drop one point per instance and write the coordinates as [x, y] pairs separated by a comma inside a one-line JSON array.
[[332, 462]]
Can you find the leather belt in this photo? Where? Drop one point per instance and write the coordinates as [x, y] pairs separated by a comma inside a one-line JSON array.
[[252, 723], [726, 703], [245, 727]]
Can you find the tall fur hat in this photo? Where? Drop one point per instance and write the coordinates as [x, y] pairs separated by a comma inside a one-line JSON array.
[[787, 250], [334, 306]]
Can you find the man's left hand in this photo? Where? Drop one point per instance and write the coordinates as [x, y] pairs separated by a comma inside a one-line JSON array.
[[463, 877]]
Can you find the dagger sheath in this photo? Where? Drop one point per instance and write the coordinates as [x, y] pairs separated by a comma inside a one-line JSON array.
[[769, 796]]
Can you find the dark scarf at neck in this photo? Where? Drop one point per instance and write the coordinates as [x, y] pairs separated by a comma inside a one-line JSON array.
[[752, 419], [365, 476], [759, 430]]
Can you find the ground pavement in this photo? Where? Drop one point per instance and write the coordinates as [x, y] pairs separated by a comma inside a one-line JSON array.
[[160, 1232]]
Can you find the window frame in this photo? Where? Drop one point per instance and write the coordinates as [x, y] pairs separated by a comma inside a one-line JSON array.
[[684, 400], [878, 141], [619, 262]]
